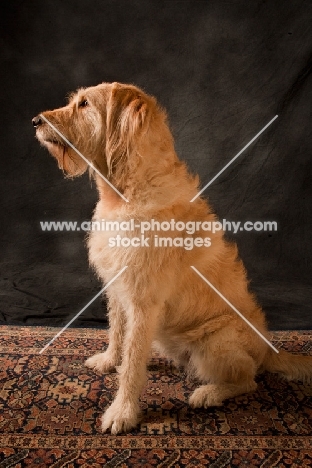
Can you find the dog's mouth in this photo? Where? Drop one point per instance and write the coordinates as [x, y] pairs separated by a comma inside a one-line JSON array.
[[63, 154], [56, 148], [53, 141], [47, 137], [53, 145]]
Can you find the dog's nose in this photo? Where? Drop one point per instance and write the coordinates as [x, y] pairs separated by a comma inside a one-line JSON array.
[[36, 121]]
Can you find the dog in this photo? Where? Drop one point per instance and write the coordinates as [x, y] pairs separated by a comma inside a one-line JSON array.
[[159, 300]]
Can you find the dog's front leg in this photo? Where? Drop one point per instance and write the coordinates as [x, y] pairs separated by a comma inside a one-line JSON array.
[[111, 358], [123, 413]]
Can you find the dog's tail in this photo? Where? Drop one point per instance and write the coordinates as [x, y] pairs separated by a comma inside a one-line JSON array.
[[289, 366]]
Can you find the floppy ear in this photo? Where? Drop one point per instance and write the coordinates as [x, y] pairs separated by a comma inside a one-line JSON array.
[[127, 112]]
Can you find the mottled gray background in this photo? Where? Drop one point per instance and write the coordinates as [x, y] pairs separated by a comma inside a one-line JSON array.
[[222, 70]]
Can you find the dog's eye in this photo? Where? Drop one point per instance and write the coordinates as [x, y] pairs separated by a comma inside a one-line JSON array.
[[83, 103]]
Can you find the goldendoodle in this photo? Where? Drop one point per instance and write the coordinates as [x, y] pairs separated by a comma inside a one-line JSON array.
[[123, 133]]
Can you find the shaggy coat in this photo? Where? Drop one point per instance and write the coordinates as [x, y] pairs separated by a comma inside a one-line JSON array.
[[159, 299]]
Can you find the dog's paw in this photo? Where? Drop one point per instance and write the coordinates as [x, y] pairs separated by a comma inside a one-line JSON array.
[[120, 417], [101, 363], [205, 396]]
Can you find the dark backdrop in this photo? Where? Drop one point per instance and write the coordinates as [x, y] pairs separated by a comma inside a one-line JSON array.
[[222, 70]]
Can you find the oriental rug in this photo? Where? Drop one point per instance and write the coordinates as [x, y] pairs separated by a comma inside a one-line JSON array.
[[50, 409]]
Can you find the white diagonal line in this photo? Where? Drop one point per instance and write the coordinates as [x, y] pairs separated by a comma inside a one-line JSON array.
[[83, 157], [82, 310], [235, 157], [235, 310]]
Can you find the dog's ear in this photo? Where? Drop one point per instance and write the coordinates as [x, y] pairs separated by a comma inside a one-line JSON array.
[[127, 113]]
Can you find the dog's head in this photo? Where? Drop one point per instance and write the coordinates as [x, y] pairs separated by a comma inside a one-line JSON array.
[[105, 124]]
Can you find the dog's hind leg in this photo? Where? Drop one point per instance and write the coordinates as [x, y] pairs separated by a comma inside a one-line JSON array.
[[229, 369], [111, 358]]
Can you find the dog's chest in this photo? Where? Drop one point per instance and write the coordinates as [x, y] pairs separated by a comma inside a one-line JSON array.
[[116, 242]]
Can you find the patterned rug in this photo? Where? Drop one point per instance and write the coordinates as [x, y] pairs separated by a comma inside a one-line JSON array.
[[50, 408]]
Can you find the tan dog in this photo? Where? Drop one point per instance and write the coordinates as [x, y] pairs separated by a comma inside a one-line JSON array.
[[159, 298]]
